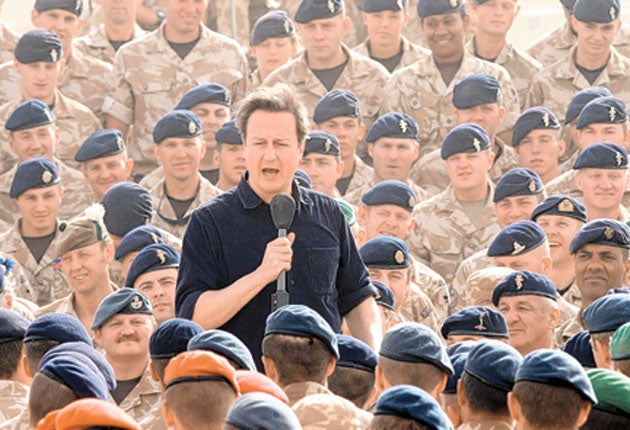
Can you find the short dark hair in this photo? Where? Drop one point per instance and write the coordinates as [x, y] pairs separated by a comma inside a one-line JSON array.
[[10, 355], [353, 384], [387, 422], [482, 397], [47, 395], [562, 405], [35, 350], [200, 404], [422, 375], [599, 419], [297, 359], [159, 364]]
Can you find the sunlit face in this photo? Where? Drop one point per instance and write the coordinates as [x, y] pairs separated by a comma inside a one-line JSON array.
[[602, 189], [324, 171], [39, 208], [348, 131], [86, 267], [386, 220], [273, 53], [39, 79], [496, 16], [592, 133], [180, 156], [385, 27], [322, 37], [64, 24], [398, 280], [393, 157], [126, 336], [469, 170], [120, 12], [445, 35], [487, 116], [560, 230], [103, 173], [540, 151], [599, 268], [231, 162], [595, 38], [34, 142], [212, 117], [514, 208], [183, 17], [537, 260], [159, 287]]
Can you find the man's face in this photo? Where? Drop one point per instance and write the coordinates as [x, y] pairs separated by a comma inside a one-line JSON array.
[[386, 220], [348, 131], [496, 16], [86, 267], [231, 162], [272, 152], [515, 208], [183, 17], [64, 24], [540, 151], [452, 339], [159, 287], [560, 230], [126, 336], [273, 53], [212, 117], [103, 173], [537, 260], [39, 79], [531, 321], [120, 11], [180, 156], [322, 37], [602, 188], [34, 142], [324, 171], [393, 157], [487, 116], [599, 268], [396, 279], [592, 133], [39, 208], [385, 27], [595, 38], [445, 36], [469, 170]]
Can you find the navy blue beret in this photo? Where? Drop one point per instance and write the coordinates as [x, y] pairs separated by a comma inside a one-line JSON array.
[[381, 5], [601, 232], [393, 124], [302, 179], [228, 133], [310, 10], [78, 373], [568, 4], [602, 155], [38, 45], [561, 205], [524, 283], [337, 103], [137, 239], [494, 363], [390, 192], [518, 238], [356, 354], [465, 138], [412, 403], [12, 325], [204, 93], [556, 368], [602, 11], [536, 118], [124, 301], [261, 411], [88, 351], [224, 344], [274, 24], [415, 343], [127, 205], [36, 172], [602, 110], [459, 347], [177, 123], [30, 114], [518, 181], [385, 252], [171, 337], [579, 347], [476, 321], [458, 361], [581, 99], [60, 327], [384, 295], [476, 89], [301, 321], [100, 144], [321, 142], [72, 6], [607, 313], [439, 7], [151, 258]]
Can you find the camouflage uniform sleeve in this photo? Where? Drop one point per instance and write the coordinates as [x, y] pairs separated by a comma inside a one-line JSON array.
[[119, 102], [419, 308]]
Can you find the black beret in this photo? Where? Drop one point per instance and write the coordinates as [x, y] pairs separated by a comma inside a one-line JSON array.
[[412, 403], [476, 89], [60, 327], [602, 155], [602, 110], [601, 232], [465, 138], [171, 337], [310, 10], [393, 124], [30, 114], [390, 192], [100, 144], [204, 93], [274, 24], [72, 6], [476, 321], [36, 172], [137, 239], [561, 205], [177, 123], [518, 238], [518, 181], [127, 205], [536, 118], [385, 252], [229, 134], [381, 5], [337, 103], [494, 363], [581, 99], [439, 7], [225, 344], [321, 142], [524, 283], [124, 301], [151, 258], [602, 11], [13, 326], [38, 45], [356, 354]]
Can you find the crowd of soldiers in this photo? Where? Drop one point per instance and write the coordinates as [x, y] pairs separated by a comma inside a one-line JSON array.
[[485, 191]]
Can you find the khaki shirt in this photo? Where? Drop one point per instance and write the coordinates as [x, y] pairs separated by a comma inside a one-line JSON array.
[[354, 198], [362, 175], [419, 308], [96, 44], [13, 399], [556, 85], [8, 40], [410, 52], [420, 92], [162, 207], [570, 328], [149, 79], [144, 397], [78, 194], [486, 425], [444, 235], [48, 283], [75, 121], [330, 412], [154, 420], [477, 261], [573, 295], [20, 422], [433, 285]]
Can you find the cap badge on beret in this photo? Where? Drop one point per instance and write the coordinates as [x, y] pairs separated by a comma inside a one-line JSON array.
[[331, 6], [619, 158], [545, 119], [609, 233], [453, 3], [403, 125], [287, 27], [518, 248], [565, 206], [612, 113], [399, 3], [54, 55], [119, 142], [518, 280], [481, 325], [160, 255], [532, 186], [613, 12], [136, 302], [327, 144], [192, 128], [154, 237], [476, 142], [47, 177], [412, 201], [399, 257]]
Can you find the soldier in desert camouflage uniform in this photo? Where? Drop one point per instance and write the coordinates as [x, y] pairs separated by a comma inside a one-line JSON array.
[[13, 379], [480, 285], [8, 40]]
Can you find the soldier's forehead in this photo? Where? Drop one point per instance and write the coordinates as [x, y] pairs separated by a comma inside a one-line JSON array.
[[599, 248], [522, 298]]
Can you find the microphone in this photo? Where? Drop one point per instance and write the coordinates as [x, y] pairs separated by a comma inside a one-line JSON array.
[[282, 212]]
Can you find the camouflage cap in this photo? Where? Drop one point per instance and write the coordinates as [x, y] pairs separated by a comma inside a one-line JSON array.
[[536, 118], [171, 337], [321, 142], [476, 89], [607, 313], [82, 231], [93, 413], [620, 343], [337, 103], [262, 412], [602, 110], [581, 99], [272, 25], [579, 347], [518, 238], [601, 11]]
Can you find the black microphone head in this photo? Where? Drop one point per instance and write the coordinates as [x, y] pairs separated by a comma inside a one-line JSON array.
[[282, 210]]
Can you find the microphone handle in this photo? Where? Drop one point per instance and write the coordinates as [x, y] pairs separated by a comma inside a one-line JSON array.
[[281, 296]]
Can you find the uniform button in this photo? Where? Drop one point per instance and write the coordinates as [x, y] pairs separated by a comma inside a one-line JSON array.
[[472, 245], [469, 235], [145, 86], [40, 281]]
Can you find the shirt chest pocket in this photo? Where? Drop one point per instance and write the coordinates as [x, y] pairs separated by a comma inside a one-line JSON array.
[[322, 269]]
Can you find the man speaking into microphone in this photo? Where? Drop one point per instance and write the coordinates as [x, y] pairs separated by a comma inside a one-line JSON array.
[[232, 255]]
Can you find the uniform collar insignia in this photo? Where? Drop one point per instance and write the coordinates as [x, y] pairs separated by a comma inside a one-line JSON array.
[[518, 248]]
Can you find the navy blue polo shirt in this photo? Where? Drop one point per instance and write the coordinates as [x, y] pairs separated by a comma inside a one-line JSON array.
[[226, 240]]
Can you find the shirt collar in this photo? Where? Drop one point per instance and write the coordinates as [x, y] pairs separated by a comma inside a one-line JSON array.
[[251, 200]]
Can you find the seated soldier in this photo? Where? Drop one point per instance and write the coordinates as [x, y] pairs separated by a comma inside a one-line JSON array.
[[474, 323], [620, 349], [229, 155], [131, 244], [14, 379], [602, 318], [260, 411], [612, 410], [321, 162]]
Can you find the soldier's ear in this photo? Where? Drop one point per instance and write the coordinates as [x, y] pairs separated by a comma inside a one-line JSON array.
[[515, 408], [331, 366], [168, 416]]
